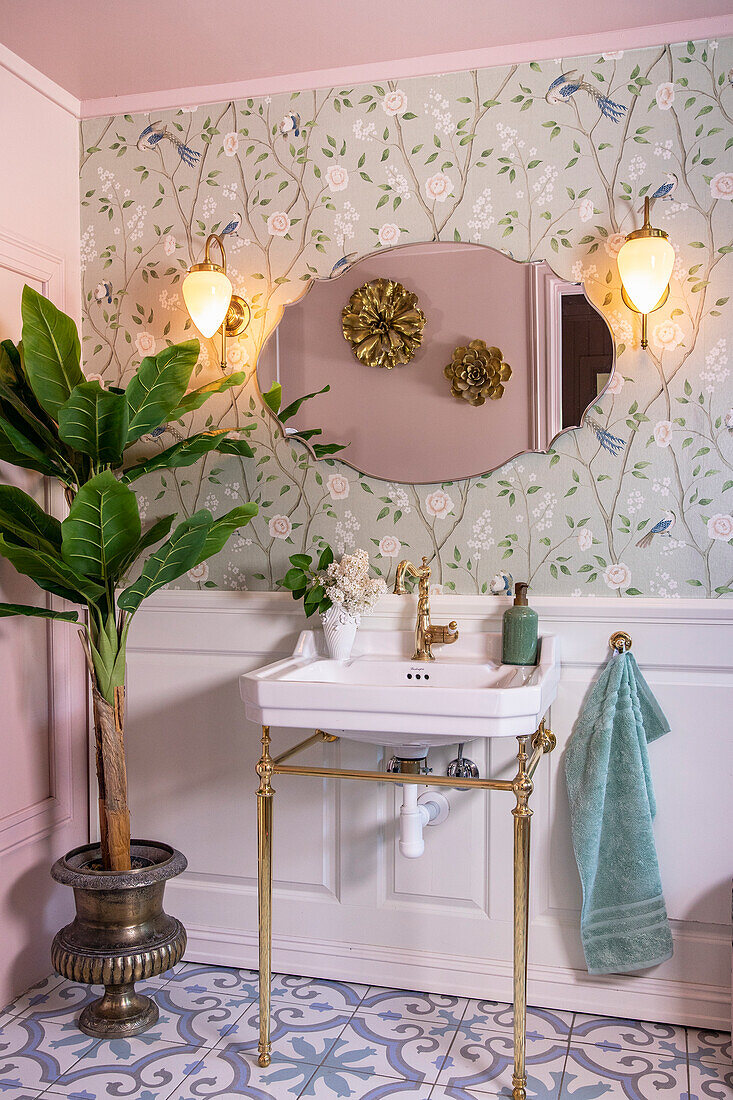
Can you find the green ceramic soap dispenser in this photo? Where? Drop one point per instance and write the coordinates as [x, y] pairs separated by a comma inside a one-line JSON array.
[[519, 632]]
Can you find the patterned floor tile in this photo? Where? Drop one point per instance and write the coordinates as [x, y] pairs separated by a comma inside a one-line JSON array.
[[542, 1023], [34, 1055], [409, 1049], [709, 1081], [198, 1019], [709, 1046], [225, 1074], [64, 1003], [13, 1093], [329, 1084], [35, 995], [486, 1065], [398, 1004], [197, 977], [617, 1034], [295, 1032], [141, 1067], [324, 995], [631, 1075]]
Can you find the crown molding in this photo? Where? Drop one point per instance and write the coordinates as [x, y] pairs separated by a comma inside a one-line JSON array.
[[35, 79], [429, 65]]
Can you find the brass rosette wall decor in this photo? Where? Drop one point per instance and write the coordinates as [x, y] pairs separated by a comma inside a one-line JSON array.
[[383, 323], [477, 372]]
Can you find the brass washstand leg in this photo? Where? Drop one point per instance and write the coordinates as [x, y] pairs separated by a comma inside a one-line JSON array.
[[264, 892], [522, 787]]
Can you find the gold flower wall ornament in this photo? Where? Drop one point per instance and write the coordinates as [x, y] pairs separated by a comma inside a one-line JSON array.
[[477, 372], [383, 323]]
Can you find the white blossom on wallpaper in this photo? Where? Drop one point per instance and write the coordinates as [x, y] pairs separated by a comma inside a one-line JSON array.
[[548, 160]]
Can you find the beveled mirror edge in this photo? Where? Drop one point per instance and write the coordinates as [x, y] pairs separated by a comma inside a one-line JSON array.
[[536, 343]]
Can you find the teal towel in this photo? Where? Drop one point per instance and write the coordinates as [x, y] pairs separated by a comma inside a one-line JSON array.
[[623, 922]]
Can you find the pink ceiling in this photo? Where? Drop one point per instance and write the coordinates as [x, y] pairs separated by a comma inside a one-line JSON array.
[[102, 48]]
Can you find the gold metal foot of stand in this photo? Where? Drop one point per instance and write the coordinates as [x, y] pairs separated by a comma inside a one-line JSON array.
[[521, 786]]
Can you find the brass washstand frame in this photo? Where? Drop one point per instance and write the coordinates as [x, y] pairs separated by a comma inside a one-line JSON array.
[[521, 787]]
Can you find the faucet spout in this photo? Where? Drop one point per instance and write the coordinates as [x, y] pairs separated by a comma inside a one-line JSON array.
[[426, 635]]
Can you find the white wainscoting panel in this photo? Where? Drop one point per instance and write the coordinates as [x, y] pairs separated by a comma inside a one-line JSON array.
[[347, 905]]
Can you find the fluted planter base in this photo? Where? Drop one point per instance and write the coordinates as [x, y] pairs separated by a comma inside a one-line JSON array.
[[120, 935]]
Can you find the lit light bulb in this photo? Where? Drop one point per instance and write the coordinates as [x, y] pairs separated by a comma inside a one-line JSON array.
[[645, 266], [207, 294]]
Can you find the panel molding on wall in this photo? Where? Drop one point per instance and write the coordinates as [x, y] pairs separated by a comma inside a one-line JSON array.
[[346, 904], [45, 267]]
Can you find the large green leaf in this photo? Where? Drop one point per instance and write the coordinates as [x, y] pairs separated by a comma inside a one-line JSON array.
[[184, 453], [102, 527], [94, 421], [22, 520], [158, 386], [16, 393], [50, 573], [196, 398], [18, 449], [290, 410], [7, 609], [235, 447], [179, 553], [51, 351], [154, 534], [222, 528], [273, 397]]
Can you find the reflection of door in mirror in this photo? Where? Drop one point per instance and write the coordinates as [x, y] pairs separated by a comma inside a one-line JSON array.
[[587, 356]]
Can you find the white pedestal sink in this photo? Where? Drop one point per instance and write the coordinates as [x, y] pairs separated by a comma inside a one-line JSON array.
[[380, 695]]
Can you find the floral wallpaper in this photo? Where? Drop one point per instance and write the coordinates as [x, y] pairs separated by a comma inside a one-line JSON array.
[[549, 160]]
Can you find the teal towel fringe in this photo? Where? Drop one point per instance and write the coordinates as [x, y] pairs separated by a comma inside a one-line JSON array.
[[623, 923]]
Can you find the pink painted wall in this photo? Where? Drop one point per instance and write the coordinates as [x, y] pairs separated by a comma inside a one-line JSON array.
[[466, 292], [43, 756]]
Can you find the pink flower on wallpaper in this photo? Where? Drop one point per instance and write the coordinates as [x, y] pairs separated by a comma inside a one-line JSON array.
[[169, 244], [337, 177], [617, 576], [438, 504], [613, 243], [278, 224], [230, 143], [616, 383], [394, 103], [199, 572], [721, 186], [665, 96], [236, 357], [389, 233], [338, 486], [389, 546], [145, 343], [585, 210], [720, 526], [585, 539], [280, 527], [438, 187], [663, 433], [668, 335]]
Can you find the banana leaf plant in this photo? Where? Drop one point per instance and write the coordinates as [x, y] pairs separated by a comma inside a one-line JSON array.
[[57, 423]]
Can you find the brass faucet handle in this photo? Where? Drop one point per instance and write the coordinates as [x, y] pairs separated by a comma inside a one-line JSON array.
[[444, 635]]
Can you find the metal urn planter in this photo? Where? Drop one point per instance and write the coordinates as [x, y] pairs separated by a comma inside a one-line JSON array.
[[120, 935]]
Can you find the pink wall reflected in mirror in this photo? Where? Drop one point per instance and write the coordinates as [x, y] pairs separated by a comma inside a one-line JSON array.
[[404, 424]]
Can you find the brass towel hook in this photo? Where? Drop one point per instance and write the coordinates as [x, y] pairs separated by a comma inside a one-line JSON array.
[[620, 641]]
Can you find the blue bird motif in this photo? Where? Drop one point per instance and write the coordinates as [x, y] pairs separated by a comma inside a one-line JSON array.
[[661, 527], [103, 293], [231, 227], [610, 442], [290, 124], [564, 87], [342, 265], [664, 191], [153, 134]]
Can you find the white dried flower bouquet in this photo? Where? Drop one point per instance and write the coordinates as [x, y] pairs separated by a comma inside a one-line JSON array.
[[351, 586]]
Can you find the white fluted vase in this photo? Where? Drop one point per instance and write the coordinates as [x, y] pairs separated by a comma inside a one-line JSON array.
[[339, 630]]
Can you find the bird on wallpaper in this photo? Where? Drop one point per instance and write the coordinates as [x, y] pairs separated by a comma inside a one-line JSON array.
[[665, 190], [290, 124], [661, 527], [232, 226], [610, 442], [103, 293], [565, 86], [153, 134], [342, 265]]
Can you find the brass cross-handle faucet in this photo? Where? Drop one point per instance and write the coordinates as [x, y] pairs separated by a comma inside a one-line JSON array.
[[426, 635]]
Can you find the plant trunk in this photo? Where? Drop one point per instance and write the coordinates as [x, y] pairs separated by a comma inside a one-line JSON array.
[[114, 814]]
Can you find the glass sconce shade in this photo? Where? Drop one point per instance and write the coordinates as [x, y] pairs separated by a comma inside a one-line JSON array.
[[207, 293], [645, 265]]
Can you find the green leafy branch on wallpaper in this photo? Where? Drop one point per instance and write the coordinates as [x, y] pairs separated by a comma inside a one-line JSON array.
[[55, 422]]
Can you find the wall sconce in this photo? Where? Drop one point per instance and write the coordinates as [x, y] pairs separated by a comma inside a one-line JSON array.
[[207, 292], [645, 263]]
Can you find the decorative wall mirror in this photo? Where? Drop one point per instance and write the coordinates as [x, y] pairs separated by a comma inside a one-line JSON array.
[[525, 352]]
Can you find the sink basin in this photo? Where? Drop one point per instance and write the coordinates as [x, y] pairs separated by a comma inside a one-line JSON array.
[[381, 696]]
